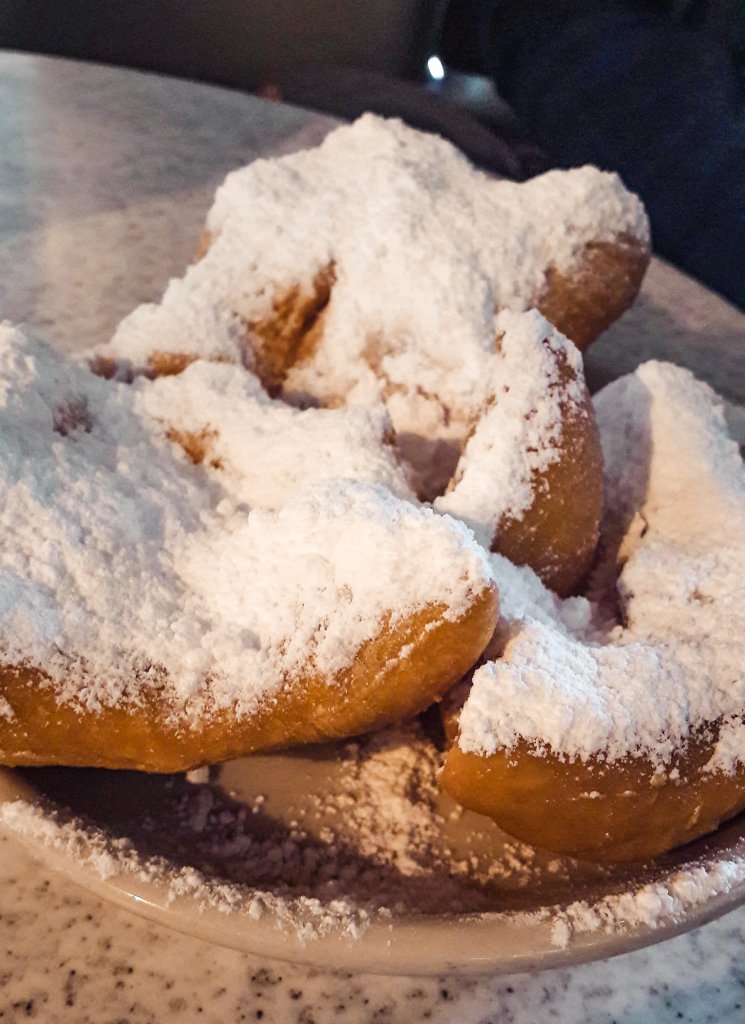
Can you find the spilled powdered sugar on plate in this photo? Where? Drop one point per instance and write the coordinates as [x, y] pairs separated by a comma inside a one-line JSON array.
[[650, 906], [368, 850], [111, 858], [378, 846]]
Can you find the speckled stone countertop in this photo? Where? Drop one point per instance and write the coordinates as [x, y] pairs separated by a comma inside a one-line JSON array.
[[105, 176]]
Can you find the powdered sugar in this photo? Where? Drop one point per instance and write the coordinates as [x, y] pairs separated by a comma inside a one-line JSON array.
[[728, 750], [522, 595], [124, 566], [388, 804], [652, 905], [107, 857], [263, 450], [676, 664], [373, 844]]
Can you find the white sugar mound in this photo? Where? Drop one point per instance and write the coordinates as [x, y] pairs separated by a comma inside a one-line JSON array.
[[266, 449], [421, 249], [123, 566]]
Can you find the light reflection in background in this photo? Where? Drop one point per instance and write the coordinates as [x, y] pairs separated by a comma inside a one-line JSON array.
[[435, 68]]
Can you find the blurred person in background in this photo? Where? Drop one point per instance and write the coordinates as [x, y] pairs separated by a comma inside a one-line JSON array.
[[652, 89]]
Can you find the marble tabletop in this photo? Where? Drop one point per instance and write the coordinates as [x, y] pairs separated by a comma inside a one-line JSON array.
[[105, 176]]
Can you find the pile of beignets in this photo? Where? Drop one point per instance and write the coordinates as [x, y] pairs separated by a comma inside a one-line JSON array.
[[348, 467]]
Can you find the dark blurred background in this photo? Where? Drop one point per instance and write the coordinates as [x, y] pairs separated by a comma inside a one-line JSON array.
[[650, 88]]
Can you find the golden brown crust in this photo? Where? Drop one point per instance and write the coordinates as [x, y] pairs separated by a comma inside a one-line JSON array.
[[623, 811], [383, 685], [168, 364], [604, 283], [198, 446], [203, 245], [290, 332], [557, 536]]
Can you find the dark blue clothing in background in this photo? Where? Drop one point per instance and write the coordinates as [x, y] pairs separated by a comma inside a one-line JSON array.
[[631, 87]]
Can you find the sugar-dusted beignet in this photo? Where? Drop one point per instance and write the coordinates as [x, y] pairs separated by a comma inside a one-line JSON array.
[[161, 614], [370, 269], [530, 479], [619, 743]]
